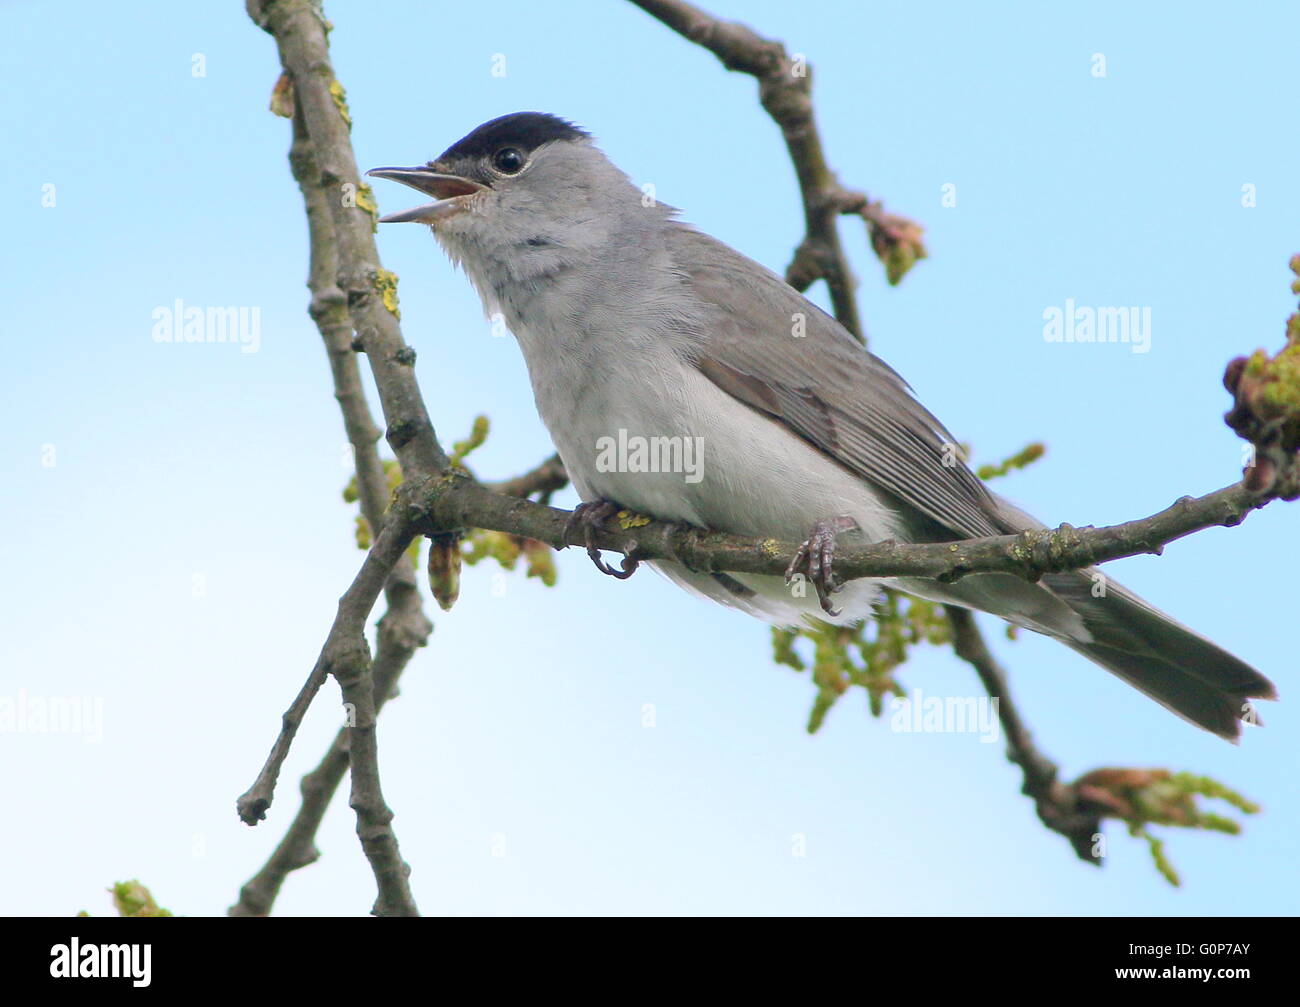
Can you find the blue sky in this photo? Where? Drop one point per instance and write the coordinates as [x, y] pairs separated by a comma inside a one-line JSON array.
[[177, 540]]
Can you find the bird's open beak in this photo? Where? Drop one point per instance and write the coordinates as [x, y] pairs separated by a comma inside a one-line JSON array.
[[449, 192]]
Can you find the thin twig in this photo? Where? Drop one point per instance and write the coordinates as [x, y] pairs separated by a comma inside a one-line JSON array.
[[256, 800], [544, 480], [345, 637], [1059, 805], [298, 847]]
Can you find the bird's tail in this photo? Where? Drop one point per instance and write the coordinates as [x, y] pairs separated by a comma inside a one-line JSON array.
[[1175, 666]]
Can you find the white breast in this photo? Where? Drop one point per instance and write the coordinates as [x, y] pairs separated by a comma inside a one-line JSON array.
[[750, 475]]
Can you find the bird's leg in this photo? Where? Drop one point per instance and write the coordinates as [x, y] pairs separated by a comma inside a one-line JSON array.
[[589, 515], [816, 556]]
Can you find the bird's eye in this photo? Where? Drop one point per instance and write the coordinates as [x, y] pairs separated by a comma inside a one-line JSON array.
[[508, 161]]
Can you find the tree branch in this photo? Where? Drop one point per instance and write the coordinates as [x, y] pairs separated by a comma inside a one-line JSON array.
[[785, 91], [351, 668], [298, 27], [544, 479], [458, 502], [298, 847], [404, 627], [346, 656]]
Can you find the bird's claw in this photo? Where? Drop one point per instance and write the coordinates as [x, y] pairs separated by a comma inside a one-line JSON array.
[[589, 516], [815, 558]]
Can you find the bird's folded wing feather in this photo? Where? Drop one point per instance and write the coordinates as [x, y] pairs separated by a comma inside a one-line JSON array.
[[767, 346]]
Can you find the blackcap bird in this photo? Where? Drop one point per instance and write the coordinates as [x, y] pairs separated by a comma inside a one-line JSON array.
[[681, 380]]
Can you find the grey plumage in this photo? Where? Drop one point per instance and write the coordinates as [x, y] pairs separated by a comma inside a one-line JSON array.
[[633, 321]]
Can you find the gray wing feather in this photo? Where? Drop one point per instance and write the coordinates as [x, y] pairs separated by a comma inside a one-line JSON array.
[[825, 386]]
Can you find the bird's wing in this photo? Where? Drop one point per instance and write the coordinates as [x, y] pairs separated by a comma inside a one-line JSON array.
[[769, 347]]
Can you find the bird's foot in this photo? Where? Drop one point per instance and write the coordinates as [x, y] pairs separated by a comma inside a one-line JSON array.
[[815, 559], [589, 516]]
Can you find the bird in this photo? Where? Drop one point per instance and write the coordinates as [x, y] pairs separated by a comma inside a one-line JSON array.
[[681, 380]]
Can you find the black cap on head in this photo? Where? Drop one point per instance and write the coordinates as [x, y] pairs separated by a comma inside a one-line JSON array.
[[525, 130]]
